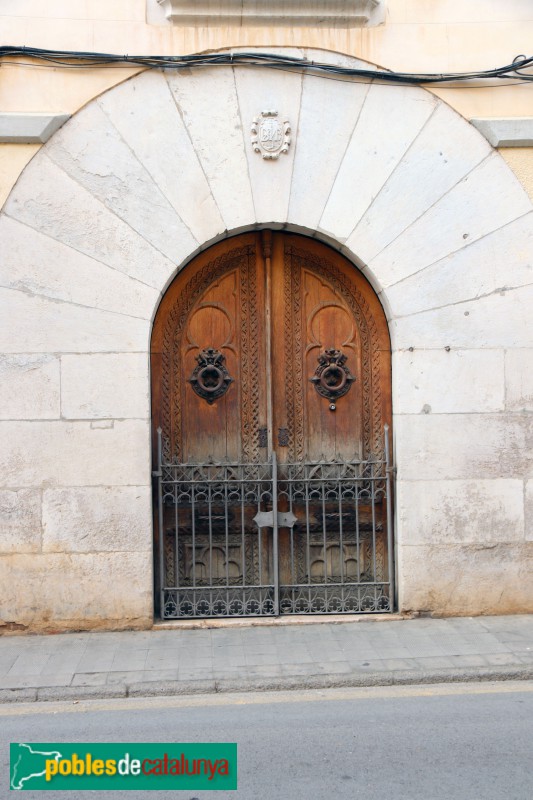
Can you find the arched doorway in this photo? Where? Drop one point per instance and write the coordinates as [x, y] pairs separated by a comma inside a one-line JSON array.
[[271, 399], [91, 237]]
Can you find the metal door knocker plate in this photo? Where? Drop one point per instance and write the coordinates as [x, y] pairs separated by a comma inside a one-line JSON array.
[[210, 378], [332, 377]]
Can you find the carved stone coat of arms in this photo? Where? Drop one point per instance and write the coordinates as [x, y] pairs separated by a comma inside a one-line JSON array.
[[270, 136]]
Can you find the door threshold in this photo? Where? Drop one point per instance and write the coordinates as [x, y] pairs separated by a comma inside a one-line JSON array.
[[293, 619]]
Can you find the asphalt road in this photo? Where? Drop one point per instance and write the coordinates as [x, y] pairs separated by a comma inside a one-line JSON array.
[[450, 742]]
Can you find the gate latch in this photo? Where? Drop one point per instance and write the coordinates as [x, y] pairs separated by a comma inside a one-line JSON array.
[[265, 519]]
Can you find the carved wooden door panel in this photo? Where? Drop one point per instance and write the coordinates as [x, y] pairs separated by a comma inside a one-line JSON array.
[[271, 346], [331, 379], [331, 356], [208, 357]]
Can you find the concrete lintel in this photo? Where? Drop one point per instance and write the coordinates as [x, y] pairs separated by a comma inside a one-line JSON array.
[[510, 132], [343, 13], [29, 128]]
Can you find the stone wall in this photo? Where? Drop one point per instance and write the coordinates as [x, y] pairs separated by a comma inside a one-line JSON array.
[[158, 168]]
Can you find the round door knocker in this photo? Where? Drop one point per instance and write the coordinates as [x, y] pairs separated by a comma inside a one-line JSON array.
[[332, 377], [210, 378]]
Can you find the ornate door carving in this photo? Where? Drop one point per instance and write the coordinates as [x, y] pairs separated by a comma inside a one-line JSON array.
[[212, 410], [332, 372], [268, 343], [329, 366]]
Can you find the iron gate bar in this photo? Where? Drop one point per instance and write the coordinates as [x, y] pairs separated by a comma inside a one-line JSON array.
[[203, 509], [275, 531], [390, 544], [216, 558], [158, 475], [322, 487]]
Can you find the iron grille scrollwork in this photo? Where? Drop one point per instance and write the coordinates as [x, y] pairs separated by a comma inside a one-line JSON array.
[[215, 560]]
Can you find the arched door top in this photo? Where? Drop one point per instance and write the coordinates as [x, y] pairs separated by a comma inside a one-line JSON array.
[[270, 337]]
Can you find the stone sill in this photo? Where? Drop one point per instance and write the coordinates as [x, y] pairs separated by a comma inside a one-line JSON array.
[[511, 132], [325, 13], [279, 622], [29, 128]]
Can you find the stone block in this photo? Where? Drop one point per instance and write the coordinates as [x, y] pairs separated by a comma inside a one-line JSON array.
[[501, 319], [34, 263], [20, 521], [145, 114], [207, 100], [463, 446], [50, 201], [440, 156], [105, 385], [318, 152], [74, 454], [466, 579], [378, 143], [473, 272], [460, 512], [271, 180], [448, 382], [443, 229], [94, 519], [90, 149], [29, 386], [30, 324], [528, 509], [84, 590], [519, 380]]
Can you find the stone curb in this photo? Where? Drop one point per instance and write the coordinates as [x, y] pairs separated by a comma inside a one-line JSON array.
[[18, 695], [297, 682], [58, 693], [162, 688], [382, 678]]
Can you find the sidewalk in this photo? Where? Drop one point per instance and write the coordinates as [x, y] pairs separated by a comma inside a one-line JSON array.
[[362, 652]]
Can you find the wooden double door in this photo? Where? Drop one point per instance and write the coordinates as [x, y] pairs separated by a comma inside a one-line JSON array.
[[271, 392]]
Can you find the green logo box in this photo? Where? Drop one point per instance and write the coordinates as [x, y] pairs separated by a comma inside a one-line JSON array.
[[170, 765]]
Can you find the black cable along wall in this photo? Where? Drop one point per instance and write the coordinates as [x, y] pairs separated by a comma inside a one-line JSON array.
[[74, 59]]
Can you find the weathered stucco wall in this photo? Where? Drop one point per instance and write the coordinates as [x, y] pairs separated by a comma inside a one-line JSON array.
[[520, 159], [156, 169]]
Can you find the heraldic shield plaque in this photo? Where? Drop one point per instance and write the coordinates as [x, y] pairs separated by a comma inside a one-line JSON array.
[[270, 136]]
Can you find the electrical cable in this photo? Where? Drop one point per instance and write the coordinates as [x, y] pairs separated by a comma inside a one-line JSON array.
[[85, 60]]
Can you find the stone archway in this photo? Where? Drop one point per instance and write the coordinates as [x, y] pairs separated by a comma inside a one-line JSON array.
[[159, 168]]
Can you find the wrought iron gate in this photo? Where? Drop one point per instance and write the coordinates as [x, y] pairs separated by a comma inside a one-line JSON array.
[[266, 539]]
